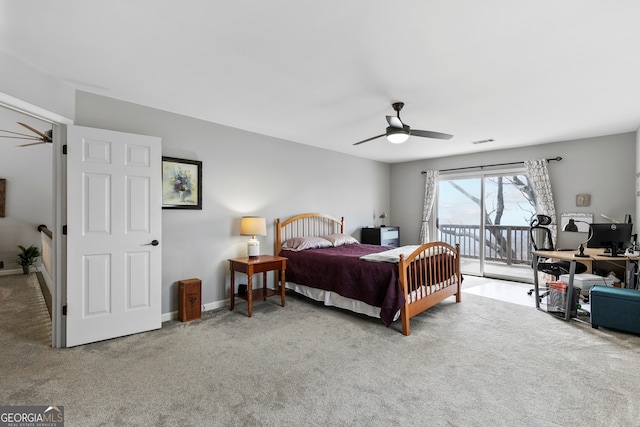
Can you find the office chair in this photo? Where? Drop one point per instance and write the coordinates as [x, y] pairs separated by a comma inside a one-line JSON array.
[[541, 240]]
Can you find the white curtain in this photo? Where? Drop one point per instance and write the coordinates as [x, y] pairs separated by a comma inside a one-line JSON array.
[[431, 182], [539, 176]]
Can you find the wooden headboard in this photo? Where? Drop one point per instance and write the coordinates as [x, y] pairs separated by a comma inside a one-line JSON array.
[[305, 225]]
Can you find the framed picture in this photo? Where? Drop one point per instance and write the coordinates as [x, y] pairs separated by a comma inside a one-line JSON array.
[[3, 194], [583, 199], [638, 184], [181, 183]]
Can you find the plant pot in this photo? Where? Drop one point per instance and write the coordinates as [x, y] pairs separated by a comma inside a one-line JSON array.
[[25, 269]]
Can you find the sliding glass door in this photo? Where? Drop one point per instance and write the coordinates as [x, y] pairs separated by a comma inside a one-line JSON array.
[[460, 220], [488, 214]]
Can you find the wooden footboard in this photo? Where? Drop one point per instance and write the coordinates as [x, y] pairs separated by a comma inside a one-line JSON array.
[[429, 275]]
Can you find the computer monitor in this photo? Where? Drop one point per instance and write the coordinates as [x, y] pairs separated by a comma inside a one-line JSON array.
[[615, 237]]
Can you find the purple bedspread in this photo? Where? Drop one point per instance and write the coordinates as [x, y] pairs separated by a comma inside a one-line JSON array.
[[340, 270]]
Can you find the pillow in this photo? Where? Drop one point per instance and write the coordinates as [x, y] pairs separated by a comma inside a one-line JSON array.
[[302, 243], [338, 239]]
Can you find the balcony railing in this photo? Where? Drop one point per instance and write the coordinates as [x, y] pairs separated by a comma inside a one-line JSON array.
[[503, 243]]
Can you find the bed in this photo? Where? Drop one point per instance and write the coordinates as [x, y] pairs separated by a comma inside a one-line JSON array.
[[328, 266]]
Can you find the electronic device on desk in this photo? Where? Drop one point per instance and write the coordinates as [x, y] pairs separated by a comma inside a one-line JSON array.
[[614, 238]]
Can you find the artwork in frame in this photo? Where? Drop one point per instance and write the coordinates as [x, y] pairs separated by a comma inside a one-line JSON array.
[[181, 183], [638, 184], [583, 199], [3, 194]]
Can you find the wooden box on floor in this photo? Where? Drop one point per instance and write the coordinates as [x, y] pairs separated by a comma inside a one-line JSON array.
[[189, 299]]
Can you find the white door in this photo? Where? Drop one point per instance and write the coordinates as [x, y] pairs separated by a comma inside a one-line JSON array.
[[114, 225]]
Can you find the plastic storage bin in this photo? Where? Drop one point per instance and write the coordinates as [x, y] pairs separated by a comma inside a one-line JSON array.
[[557, 299]]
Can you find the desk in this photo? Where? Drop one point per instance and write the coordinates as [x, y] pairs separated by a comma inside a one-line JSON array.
[[592, 255]]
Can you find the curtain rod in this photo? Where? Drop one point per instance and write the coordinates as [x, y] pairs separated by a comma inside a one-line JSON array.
[[557, 159]]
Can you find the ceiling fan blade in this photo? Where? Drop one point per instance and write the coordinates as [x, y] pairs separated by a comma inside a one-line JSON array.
[[33, 143], [395, 122], [31, 138], [44, 137], [430, 134], [17, 133], [369, 139]]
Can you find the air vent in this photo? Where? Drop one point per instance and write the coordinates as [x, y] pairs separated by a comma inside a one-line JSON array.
[[483, 141]]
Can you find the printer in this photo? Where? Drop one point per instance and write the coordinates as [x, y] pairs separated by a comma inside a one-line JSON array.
[[586, 281]]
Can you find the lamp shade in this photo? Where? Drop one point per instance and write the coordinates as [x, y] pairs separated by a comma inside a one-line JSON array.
[[397, 135], [382, 217], [253, 226]]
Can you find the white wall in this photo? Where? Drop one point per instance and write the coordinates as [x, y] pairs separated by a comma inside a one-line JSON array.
[[28, 171], [243, 174], [603, 167]]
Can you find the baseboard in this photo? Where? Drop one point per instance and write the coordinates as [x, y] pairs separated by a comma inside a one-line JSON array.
[[205, 307], [10, 272]]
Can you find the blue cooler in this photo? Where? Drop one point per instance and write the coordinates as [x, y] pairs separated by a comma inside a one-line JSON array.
[[615, 308]]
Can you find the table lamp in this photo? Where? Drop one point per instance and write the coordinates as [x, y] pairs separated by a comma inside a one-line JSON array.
[[382, 217], [253, 226]]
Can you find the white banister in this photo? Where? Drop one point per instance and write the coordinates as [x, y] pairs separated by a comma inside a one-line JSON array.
[[46, 258]]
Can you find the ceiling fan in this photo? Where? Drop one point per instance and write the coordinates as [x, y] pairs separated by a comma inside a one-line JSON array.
[[398, 132], [42, 138]]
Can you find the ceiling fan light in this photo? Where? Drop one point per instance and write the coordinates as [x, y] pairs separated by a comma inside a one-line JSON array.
[[397, 136]]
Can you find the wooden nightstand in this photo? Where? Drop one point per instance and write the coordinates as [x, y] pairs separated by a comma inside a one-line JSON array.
[[250, 266]]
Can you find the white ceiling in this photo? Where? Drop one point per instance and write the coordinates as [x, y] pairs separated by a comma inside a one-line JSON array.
[[325, 73]]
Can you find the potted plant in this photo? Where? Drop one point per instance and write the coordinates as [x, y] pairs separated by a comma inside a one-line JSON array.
[[27, 257]]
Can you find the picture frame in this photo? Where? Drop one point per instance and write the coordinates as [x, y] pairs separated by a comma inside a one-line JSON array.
[[181, 183], [583, 199], [3, 195], [638, 184]]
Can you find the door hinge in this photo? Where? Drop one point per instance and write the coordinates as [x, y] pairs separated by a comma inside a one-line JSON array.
[[64, 230], [64, 149], [64, 310]]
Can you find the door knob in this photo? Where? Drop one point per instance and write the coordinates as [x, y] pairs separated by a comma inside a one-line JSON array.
[[152, 243]]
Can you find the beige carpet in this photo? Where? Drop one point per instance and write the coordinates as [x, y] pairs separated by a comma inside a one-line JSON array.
[[23, 313], [481, 362]]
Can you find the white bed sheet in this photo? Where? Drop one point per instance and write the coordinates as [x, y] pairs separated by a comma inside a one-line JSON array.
[[393, 255], [336, 300]]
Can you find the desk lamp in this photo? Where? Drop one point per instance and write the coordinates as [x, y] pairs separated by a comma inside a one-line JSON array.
[[571, 226], [382, 217], [253, 226]]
